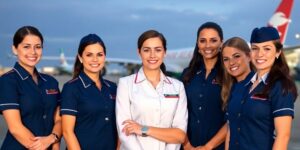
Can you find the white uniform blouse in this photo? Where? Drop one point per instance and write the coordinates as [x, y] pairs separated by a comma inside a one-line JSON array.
[[164, 107]]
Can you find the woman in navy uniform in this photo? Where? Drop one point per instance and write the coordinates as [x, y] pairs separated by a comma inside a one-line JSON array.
[[267, 108], [151, 107], [29, 100], [88, 101], [236, 61], [203, 80]]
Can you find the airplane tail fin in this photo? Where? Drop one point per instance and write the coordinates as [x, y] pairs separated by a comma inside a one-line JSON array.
[[281, 18], [63, 60]]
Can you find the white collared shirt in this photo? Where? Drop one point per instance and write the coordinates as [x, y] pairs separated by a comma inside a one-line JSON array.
[[163, 107]]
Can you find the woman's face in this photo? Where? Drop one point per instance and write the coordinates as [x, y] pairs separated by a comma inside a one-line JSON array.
[[209, 43], [236, 63], [263, 56], [29, 51], [152, 53], [93, 58]]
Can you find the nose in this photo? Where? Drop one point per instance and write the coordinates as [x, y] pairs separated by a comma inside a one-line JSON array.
[[231, 61], [260, 53], [95, 58], [33, 50], [152, 53]]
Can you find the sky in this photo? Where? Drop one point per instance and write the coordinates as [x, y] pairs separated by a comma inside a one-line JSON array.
[[119, 22]]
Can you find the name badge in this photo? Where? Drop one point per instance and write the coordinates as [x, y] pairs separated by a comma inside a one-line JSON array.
[[255, 97], [171, 95], [51, 91]]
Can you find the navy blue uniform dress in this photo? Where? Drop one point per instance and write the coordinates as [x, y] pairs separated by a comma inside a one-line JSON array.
[[204, 107], [95, 126], [251, 116], [36, 102]]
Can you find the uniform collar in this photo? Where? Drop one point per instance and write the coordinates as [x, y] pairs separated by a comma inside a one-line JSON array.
[[24, 74], [87, 81], [248, 78], [261, 79], [140, 77]]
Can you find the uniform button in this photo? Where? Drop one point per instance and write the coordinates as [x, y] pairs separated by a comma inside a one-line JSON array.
[[199, 107], [239, 129], [44, 116], [237, 143], [243, 101], [198, 121], [200, 95], [106, 118], [239, 114]]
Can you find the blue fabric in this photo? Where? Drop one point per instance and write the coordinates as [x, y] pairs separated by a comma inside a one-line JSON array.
[[263, 34], [95, 125], [251, 116], [204, 107], [36, 102]]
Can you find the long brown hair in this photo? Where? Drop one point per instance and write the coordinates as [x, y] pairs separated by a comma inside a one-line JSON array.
[[84, 42], [197, 58], [228, 80]]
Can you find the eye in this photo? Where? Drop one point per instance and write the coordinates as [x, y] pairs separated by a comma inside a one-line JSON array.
[[145, 49], [254, 48], [202, 41], [89, 54], [38, 47], [237, 56], [158, 49], [26, 46], [214, 40], [225, 59], [99, 54]]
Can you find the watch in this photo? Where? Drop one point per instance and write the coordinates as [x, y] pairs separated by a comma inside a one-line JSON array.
[[144, 131]]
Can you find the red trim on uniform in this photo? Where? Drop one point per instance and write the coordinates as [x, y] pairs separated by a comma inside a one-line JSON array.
[[51, 91], [171, 96], [136, 76], [167, 80]]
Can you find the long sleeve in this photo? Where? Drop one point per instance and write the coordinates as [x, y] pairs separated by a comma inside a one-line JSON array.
[[123, 113]]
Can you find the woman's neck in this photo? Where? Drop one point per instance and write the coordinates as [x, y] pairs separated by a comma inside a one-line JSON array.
[[210, 63], [153, 76], [29, 69]]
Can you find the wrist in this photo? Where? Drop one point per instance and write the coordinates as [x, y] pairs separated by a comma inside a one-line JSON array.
[[55, 138], [144, 131], [208, 146]]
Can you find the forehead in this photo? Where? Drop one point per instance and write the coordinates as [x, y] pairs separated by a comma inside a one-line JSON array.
[[263, 44], [230, 51], [96, 48], [156, 41], [208, 33], [31, 39]]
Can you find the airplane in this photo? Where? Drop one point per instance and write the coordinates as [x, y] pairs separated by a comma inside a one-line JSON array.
[[177, 60]]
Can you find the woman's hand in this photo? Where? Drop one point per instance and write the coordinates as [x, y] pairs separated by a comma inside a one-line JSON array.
[[42, 142], [131, 127]]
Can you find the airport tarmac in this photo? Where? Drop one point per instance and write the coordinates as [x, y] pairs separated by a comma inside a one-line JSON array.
[[293, 145]]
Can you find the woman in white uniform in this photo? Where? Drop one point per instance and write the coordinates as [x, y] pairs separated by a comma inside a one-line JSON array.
[[151, 108]]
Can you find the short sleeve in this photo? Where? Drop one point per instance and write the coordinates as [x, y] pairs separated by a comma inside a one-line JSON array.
[[282, 103], [69, 100], [9, 95]]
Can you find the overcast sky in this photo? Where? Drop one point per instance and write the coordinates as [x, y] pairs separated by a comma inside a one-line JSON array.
[[119, 22]]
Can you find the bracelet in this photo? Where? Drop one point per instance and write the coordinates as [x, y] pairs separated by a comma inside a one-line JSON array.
[[56, 137]]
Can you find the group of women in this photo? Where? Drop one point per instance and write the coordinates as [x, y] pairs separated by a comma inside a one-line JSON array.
[[229, 97]]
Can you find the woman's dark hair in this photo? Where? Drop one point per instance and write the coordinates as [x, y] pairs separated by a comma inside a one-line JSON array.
[[197, 58], [228, 80], [280, 72], [84, 42], [153, 34], [24, 31]]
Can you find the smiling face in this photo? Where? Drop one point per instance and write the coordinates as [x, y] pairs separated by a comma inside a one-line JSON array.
[[93, 58], [152, 53], [236, 63], [29, 51], [263, 56], [209, 43]]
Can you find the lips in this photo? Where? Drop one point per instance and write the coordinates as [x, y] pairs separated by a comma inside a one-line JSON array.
[[234, 68], [94, 65], [32, 58], [260, 61]]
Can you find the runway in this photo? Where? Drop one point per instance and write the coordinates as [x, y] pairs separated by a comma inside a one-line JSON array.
[[293, 145]]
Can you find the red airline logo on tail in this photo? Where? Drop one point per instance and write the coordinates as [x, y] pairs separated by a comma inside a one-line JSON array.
[[281, 18]]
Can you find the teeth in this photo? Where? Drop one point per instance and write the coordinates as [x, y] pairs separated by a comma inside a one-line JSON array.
[[32, 58], [152, 61], [234, 68], [260, 61], [208, 51], [96, 65]]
